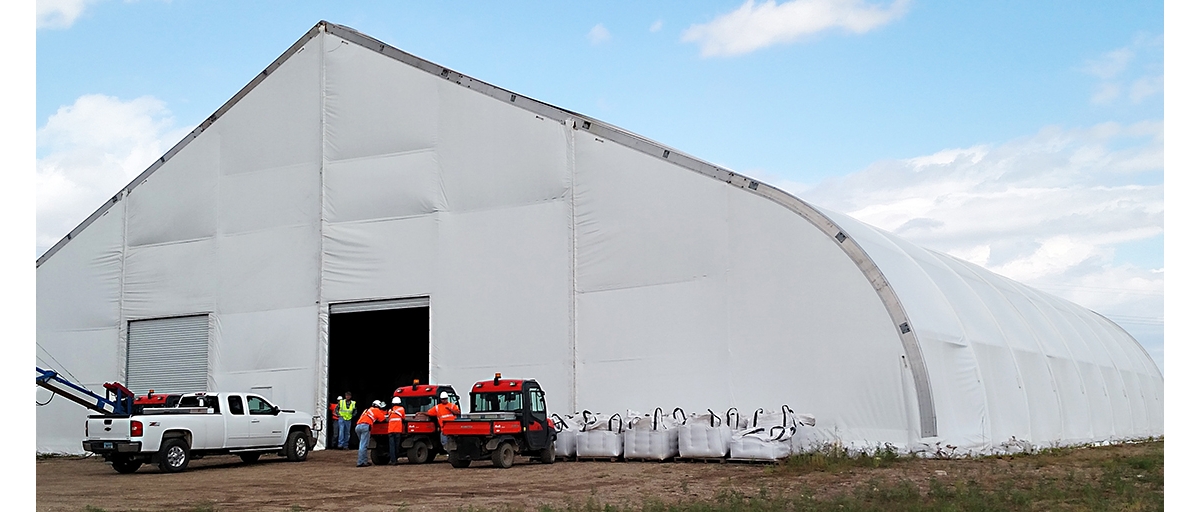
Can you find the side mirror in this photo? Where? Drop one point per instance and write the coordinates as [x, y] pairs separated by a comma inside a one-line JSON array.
[[275, 410]]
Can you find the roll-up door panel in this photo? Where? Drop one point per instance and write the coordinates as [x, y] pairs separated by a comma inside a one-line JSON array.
[[379, 305], [168, 355]]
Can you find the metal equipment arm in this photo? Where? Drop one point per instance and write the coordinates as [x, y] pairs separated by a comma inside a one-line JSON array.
[[117, 400]]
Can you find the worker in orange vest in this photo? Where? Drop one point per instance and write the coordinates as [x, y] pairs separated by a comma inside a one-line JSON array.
[[374, 414], [442, 412], [395, 419], [333, 422]]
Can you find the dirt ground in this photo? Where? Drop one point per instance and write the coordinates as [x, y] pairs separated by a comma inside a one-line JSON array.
[[329, 480]]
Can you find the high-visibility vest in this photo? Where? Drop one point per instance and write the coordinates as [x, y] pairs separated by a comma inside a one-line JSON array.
[[396, 420], [370, 416], [346, 409], [444, 412]]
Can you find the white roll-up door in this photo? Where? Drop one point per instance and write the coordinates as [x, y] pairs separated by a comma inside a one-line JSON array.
[[379, 305], [168, 355]]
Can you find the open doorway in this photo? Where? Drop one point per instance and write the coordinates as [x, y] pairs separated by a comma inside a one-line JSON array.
[[373, 349]]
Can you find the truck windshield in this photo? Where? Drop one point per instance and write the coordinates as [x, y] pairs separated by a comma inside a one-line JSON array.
[[416, 404], [496, 402]]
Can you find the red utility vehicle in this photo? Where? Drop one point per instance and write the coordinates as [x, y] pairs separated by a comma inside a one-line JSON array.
[[421, 441], [155, 401], [507, 418]]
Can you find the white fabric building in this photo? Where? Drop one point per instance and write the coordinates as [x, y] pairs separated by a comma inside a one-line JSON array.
[[502, 234]]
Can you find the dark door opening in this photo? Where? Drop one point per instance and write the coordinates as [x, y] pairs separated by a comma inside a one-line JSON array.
[[371, 353]]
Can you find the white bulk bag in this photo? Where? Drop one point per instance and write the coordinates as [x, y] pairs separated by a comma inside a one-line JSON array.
[[768, 436], [704, 436], [760, 444], [601, 439], [734, 419], [566, 430], [653, 437]]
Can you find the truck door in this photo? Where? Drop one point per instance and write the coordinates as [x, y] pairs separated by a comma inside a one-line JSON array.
[[537, 431], [266, 424], [237, 424]]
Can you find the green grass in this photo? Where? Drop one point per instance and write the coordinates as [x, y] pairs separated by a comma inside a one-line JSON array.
[[1068, 479], [835, 459]]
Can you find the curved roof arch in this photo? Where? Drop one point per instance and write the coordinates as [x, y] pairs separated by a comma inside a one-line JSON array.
[[1025, 349]]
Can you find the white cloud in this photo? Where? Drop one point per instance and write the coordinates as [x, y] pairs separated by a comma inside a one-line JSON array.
[[656, 26], [1051, 210], [1132, 73], [755, 26], [1106, 93], [59, 13], [89, 150], [598, 34], [1111, 64], [1145, 87]]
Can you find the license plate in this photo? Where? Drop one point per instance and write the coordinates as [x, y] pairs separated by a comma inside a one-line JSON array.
[[107, 446]]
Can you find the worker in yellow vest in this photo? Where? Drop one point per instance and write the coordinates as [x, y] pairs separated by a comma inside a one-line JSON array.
[[345, 410]]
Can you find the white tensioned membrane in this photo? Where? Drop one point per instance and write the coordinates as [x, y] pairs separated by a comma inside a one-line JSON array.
[[620, 273], [1012, 366]]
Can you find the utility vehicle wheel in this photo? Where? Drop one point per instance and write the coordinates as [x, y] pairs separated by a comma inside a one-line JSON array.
[[504, 455], [125, 465], [546, 455], [296, 448], [249, 458], [419, 453], [456, 461], [173, 457], [380, 456]]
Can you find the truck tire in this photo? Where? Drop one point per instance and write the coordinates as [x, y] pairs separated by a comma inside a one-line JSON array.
[[250, 458], [504, 456], [457, 461], [125, 465], [174, 455], [297, 446], [419, 453], [546, 455]]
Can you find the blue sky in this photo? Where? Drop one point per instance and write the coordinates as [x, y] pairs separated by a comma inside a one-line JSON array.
[[1026, 137]]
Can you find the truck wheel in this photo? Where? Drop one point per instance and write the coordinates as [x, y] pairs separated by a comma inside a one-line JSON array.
[[456, 461], [173, 457], [249, 458], [504, 455], [419, 453], [125, 465], [297, 446], [546, 455]]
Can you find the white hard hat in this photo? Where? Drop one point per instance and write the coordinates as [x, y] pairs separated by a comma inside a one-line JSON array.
[[380, 404], [396, 400], [444, 396], [340, 398]]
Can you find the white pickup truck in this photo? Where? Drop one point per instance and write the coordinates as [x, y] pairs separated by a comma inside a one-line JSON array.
[[201, 424]]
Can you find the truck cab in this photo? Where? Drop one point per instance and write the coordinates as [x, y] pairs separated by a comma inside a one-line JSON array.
[[422, 440], [508, 418]]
